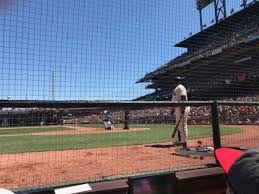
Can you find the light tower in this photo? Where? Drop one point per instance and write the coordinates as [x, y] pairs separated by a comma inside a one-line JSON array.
[[219, 7], [244, 4]]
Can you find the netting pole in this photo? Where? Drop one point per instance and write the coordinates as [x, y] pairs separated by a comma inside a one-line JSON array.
[[215, 125], [126, 120]]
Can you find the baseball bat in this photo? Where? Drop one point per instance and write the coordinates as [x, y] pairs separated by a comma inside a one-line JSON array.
[[176, 127]]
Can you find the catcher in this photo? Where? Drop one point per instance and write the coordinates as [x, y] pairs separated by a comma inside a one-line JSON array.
[[181, 115]]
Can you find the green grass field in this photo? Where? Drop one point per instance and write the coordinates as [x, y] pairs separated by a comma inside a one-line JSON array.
[[26, 130], [156, 134]]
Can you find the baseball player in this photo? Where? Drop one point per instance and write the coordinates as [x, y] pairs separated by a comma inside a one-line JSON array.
[[107, 120], [42, 122], [181, 113]]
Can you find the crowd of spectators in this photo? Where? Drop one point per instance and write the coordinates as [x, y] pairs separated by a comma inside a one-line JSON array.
[[240, 114], [229, 114], [233, 114], [198, 115], [155, 115]]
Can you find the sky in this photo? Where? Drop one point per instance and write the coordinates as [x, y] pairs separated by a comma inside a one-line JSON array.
[[98, 49]]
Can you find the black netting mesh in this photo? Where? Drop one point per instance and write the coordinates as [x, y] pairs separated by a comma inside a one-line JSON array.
[[99, 50]]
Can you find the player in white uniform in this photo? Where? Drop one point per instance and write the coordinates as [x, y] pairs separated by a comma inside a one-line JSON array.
[[107, 121], [181, 114]]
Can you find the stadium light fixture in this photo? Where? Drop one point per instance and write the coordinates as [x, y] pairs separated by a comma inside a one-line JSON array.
[[219, 7], [9, 98], [244, 4]]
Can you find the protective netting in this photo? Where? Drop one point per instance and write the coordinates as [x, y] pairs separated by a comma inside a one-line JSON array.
[[89, 51], [245, 119], [99, 50], [51, 147]]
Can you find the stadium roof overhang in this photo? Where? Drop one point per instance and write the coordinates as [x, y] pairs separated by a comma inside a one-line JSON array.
[[213, 71], [223, 26], [213, 66], [247, 87], [229, 58]]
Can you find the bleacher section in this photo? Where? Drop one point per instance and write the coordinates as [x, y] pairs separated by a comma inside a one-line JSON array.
[[219, 61]]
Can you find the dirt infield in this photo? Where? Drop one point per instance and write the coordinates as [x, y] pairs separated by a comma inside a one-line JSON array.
[[60, 167]]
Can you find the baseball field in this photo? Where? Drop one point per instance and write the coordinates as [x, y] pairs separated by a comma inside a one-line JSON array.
[[47, 155]]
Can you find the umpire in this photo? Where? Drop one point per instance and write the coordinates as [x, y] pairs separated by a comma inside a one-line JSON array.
[[107, 120]]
